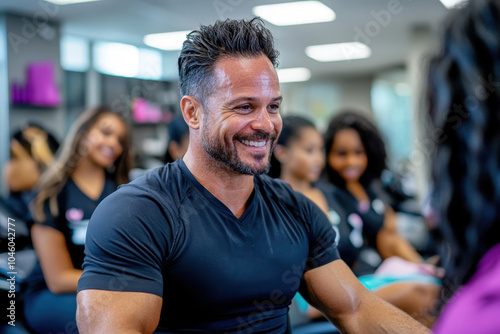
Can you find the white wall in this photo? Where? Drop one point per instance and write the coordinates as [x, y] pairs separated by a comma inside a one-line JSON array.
[[319, 100]]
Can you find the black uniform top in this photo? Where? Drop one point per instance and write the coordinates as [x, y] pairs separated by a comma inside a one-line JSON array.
[[357, 223], [75, 209]]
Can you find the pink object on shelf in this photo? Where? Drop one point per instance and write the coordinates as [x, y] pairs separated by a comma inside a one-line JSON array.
[[144, 111], [154, 113], [140, 110]]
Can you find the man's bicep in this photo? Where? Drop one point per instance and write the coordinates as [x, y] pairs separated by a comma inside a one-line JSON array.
[[126, 246], [334, 290], [102, 311]]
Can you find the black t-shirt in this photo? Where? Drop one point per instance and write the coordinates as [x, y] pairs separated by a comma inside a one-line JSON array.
[[165, 234], [75, 210], [357, 223]]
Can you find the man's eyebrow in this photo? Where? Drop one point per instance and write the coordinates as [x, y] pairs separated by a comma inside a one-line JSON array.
[[251, 99]]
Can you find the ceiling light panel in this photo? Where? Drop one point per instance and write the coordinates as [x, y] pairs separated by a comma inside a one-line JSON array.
[[294, 74], [68, 2], [453, 3], [338, 51], [295, 13], [169, 41]]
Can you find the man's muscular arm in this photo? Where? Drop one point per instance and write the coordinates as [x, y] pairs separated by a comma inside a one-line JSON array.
[[340, 296], [117, 312]]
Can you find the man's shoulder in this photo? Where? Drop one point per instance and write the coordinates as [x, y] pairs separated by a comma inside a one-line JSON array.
[[164, 186], [160, 180], [273, 185], [279, 191]]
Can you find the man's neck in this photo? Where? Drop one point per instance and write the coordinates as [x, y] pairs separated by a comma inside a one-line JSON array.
[[231, 188]]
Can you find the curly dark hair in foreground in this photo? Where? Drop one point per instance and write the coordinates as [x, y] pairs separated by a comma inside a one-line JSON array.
[[371, 139], [463, 101], [204, 47]]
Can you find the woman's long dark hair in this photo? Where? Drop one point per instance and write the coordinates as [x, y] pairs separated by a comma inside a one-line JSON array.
[[371, 139], [464, 106]]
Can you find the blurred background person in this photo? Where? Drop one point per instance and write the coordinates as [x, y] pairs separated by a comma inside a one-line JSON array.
[[298, 158], [94, 160], [464, 99], [355, 158], [178, 139], [32, 150]]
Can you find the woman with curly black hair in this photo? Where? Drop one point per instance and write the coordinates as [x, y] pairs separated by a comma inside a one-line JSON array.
[[371, 148], [356, 156], [464, 101]]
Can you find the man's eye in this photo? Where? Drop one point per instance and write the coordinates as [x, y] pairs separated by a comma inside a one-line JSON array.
[[245, 107]]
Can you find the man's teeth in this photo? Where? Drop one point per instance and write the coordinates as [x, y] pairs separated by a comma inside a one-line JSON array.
[[254, 143]]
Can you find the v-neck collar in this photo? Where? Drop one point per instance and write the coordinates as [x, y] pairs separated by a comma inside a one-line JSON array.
[[218, 204], [70, 179]]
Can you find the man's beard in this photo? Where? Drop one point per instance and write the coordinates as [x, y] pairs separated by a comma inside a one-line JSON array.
[[221, 152]]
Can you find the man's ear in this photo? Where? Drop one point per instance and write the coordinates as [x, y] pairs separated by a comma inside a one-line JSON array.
[[191, 111]]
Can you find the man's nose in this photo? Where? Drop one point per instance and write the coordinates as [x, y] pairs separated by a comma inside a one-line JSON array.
[[263, 121]]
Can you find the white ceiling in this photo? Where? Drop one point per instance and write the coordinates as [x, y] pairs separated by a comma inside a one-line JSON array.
[[128, 21]]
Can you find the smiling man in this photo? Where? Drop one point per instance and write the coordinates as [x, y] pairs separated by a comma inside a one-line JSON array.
[[241, 122], [208, 244]]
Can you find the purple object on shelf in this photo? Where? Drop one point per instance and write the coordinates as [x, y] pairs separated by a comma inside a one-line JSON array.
[[16, 93], [41, 87]]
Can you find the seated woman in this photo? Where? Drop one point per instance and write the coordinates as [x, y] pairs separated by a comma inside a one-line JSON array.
[[301, 157], [93, 161]]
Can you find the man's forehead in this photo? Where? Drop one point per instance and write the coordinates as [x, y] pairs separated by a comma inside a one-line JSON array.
[[244, 63], [244, 70]]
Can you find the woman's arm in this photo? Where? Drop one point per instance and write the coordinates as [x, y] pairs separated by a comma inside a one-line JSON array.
[[391, 243], [58, 270]]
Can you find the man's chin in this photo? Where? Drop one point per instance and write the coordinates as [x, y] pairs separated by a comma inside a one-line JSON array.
[[261, 169], [251, 169]]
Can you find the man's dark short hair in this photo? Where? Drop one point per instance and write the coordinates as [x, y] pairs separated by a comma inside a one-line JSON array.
[[204, 47]]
